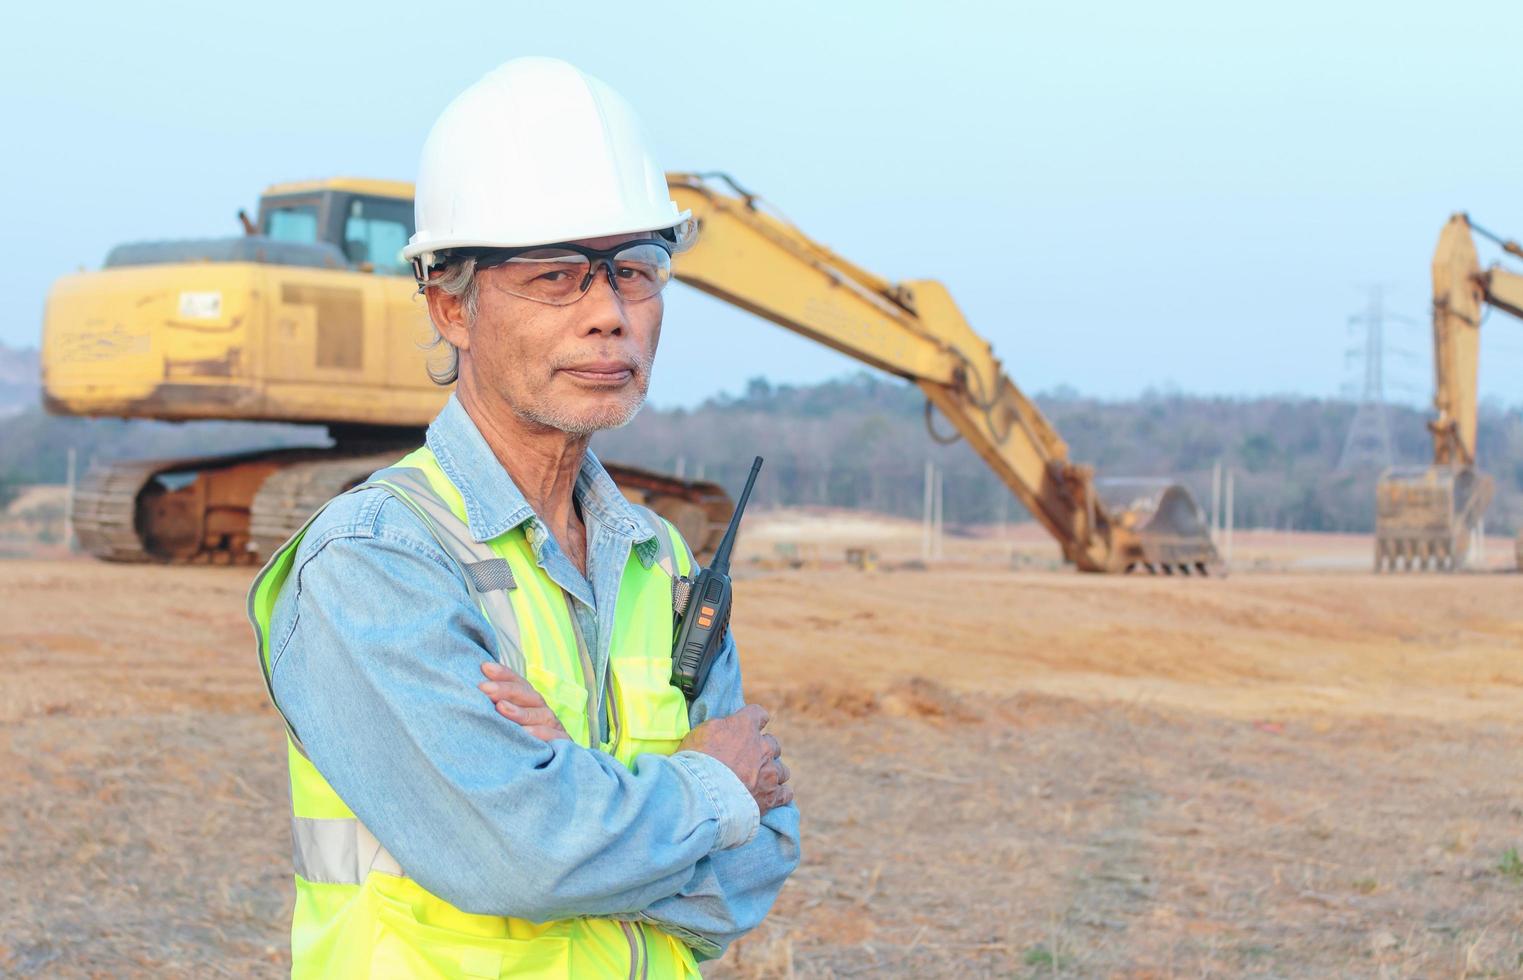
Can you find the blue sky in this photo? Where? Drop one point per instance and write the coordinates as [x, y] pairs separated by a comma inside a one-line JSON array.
[[1121, 196]]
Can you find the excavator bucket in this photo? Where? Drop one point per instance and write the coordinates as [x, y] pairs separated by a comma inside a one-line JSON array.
[[1160, 527], [1426, 517]]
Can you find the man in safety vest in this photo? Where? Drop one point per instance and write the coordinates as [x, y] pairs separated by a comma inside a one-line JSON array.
[[491, 772]]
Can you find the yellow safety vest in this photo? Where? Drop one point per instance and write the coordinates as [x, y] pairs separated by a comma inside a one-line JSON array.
[[357, 912]]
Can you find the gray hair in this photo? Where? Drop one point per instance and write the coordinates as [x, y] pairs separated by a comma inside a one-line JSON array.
[[457, 279]]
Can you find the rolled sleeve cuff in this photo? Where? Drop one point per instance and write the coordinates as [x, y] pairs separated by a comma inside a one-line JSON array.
[[737, 811]]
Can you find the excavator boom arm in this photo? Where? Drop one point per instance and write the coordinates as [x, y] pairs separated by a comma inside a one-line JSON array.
[[1458, 296], [762, 264], [1461, 291]]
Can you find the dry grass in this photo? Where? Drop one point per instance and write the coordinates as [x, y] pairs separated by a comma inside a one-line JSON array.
[[1002, 774]]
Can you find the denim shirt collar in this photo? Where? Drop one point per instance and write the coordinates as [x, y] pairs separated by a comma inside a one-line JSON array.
[[493, 503]]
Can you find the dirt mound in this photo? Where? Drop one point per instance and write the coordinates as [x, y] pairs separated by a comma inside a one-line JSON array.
[[910, 697], [1248, 646]]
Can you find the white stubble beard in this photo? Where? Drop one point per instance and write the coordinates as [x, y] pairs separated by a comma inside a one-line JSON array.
[[614, 417]]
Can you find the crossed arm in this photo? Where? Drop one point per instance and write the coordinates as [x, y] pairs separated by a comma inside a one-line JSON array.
[[732, 890], [736, 739]]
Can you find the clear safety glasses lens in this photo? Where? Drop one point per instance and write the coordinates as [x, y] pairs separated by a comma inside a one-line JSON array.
[[560, 276]]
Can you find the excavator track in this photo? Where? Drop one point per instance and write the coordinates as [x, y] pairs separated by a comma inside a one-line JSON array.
[[184, 510], [105, 508], [239, 509], [294, 493]]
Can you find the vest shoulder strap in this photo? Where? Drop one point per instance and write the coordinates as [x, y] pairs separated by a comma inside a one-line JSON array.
[[487, 576]]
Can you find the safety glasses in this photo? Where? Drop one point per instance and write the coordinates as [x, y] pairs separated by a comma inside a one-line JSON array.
[[559, 275]]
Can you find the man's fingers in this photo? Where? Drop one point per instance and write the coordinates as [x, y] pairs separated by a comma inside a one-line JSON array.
[[527, 716], [781, 796], [497, 672], [756, 714], [783, 772], [542, 724], [775, 773], [547, 733], [518, 692], [518, 701], [773, 745]]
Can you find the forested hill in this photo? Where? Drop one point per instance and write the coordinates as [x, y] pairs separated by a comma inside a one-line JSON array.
[[862, 442]]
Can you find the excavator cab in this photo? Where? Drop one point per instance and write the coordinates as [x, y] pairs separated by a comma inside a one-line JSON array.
[[368, 221], [344, 224]]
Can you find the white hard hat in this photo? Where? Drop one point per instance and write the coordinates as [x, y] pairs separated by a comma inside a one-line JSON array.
[[534, 153]]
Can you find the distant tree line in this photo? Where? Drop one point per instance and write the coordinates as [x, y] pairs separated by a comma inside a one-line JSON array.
[[861, 442]]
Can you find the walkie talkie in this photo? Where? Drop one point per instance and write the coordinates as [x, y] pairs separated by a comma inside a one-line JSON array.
[[704, 614]]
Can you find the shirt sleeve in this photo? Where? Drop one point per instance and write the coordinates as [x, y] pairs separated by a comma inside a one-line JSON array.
[[377, 668], [729, 892]]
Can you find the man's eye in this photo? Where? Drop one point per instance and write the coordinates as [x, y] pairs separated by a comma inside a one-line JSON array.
[[556, 275], [633, 272]]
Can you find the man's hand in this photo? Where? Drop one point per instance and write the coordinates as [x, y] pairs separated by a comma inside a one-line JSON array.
[[751, 754], [517, 701]]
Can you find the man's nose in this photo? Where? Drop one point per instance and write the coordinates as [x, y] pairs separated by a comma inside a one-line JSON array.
[[602, 309]]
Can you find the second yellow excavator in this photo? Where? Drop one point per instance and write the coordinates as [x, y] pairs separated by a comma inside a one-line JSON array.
[[1427, 517], [311, 317]]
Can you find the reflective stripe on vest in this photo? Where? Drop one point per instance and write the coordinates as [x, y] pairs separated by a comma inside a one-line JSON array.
[[338, 851], [356, 910]]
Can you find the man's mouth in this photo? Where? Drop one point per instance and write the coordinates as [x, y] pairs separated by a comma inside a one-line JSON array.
[[602, 373]]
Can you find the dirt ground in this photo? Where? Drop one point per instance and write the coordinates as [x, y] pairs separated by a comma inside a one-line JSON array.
[[1004, 771]]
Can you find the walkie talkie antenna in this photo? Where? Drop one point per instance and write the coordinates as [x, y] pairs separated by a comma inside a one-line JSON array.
[[721, 562]]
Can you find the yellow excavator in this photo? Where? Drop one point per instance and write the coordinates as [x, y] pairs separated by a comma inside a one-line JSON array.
[[312, 317], [1427, 517]]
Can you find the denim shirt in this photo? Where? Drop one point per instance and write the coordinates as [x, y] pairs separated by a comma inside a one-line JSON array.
[[376, 654]]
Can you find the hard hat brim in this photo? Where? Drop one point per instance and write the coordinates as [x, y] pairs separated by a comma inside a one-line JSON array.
[[419, 249]]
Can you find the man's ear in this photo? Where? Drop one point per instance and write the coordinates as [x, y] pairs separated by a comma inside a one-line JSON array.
[[448, 313]]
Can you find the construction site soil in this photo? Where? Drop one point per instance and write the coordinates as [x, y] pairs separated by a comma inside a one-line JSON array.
[[1003, 771]]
